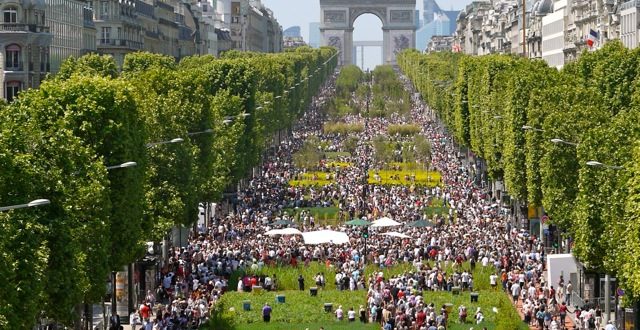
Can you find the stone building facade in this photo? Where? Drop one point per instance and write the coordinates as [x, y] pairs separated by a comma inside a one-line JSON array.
[[557, 31], [26, 41]]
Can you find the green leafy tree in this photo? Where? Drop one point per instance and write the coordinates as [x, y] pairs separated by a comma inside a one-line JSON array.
[[141, 61], [57, 255], [422, 149], [88, 65], [628, 262], [602, 192]]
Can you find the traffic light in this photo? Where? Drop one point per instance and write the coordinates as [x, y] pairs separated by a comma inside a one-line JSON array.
[[365, 232]]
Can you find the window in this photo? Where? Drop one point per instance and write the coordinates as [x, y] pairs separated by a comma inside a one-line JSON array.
[[12, 57], [104, 9], [106, 34], [12, 89], [44, 61], [10, 15]]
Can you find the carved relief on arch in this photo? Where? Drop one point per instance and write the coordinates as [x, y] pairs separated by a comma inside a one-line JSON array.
[[381, 12]]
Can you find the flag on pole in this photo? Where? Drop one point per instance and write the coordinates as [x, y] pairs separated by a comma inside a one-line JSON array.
[[592, 38]]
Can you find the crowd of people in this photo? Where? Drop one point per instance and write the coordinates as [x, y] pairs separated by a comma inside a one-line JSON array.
[[475, 231]]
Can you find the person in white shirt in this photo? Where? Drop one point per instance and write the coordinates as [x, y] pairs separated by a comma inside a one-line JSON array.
[[351, 315], [134, 320], [515, 291], [485, 261], [493, 280], [479, 316], [610, 326], [339, 313], [268, 283]]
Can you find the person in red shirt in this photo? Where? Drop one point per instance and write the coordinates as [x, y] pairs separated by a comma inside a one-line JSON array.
[[145, 312], [562, 311], [421, 317]]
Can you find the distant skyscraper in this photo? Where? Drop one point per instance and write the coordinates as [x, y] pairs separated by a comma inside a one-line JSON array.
[[435, 22], [439, 26], [292, 32], [314, 34]]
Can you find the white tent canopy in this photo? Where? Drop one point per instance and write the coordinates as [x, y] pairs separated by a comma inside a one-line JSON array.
[[396, 234], [385, 222], [285, 231], [325, 236]]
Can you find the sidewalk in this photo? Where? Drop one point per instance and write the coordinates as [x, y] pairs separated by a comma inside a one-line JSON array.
[[569, 324]]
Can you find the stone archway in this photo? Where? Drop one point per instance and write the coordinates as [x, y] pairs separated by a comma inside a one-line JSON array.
[[398, 25]]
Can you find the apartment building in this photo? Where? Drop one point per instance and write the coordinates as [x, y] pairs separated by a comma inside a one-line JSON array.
[[25, 40], [629, 23], [38, 36], [557, 31], [440, 44], [253, 27]]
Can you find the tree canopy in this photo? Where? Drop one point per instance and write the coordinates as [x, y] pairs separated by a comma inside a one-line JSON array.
[[193, 128], [508, 110]]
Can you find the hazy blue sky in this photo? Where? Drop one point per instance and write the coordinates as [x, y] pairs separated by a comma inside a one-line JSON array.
[[367, 27]]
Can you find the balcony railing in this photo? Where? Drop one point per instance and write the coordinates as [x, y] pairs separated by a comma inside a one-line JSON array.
[[167, 22], [152, 34], [16, 27], [586, 16], [580, 3], [120, 43], [14, 66], [164, 6]]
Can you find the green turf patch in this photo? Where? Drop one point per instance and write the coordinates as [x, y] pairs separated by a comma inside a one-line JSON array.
[[405, 177], [322, 215], [338, 164], [436, 207], [332, 155], [335, 325], [299, 306], [313, 178], [301, 311], [287, 276]]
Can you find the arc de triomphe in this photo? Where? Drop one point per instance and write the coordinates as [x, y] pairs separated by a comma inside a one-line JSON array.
[[398, 25]]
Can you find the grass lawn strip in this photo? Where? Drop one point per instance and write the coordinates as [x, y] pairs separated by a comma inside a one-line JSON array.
[[300, 310], [422, 177], [322, 215], [336, 154], [299, 307], [311, 326]]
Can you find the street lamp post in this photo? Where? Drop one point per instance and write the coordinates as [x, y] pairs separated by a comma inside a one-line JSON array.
[[206, 131], [33, 203], [123, 165], [531, 128], [153, 144], [594, 163], [365, 186], [560, 141], [88, 317]]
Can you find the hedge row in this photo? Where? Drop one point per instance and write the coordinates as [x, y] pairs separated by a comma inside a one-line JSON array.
[[57, 141], [592, 103]]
